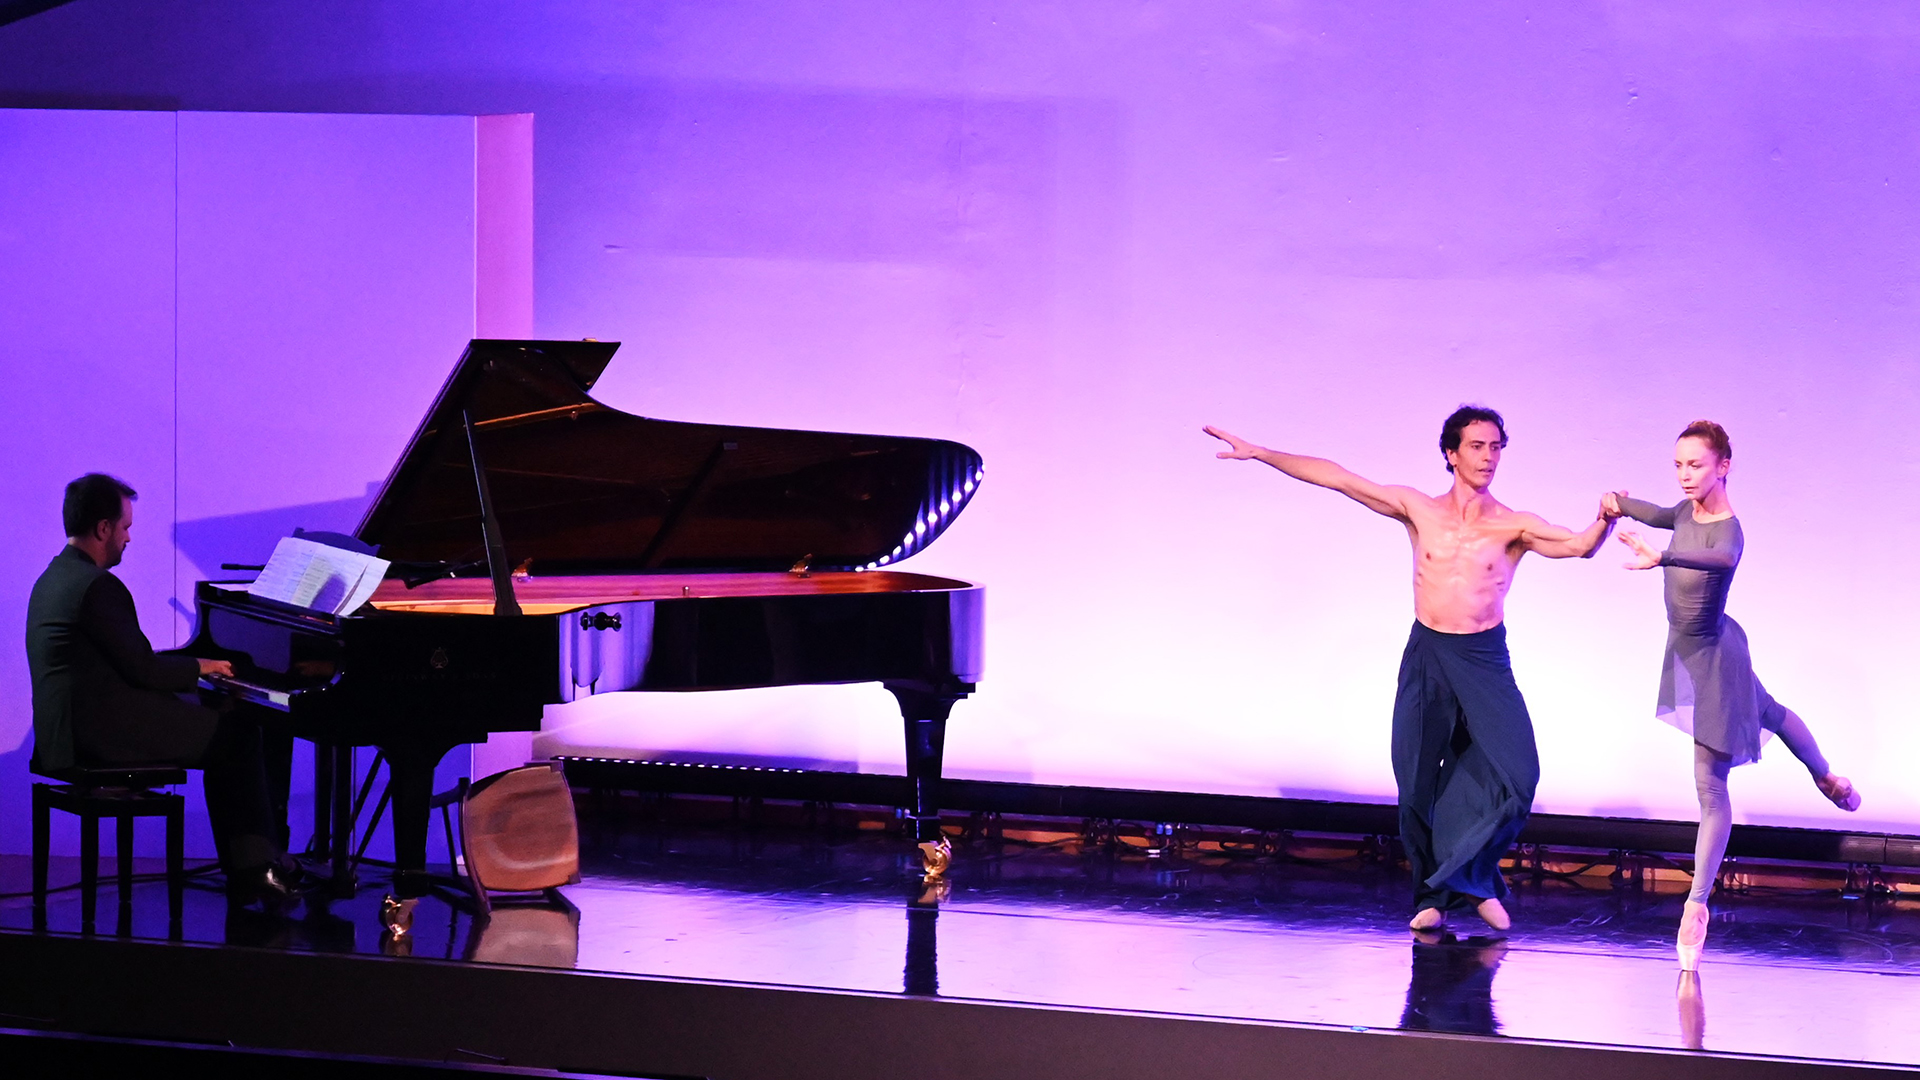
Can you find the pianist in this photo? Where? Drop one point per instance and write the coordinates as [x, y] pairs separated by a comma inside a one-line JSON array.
[[103, 697]]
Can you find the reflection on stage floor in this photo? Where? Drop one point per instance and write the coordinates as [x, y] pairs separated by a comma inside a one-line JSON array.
[[1796, 973]]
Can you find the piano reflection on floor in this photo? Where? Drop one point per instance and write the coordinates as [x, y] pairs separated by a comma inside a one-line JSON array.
[[546, 546], [548, 935]]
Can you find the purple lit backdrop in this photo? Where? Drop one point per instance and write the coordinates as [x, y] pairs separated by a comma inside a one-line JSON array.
[[100, 318], [1069, 233], [221, 308]]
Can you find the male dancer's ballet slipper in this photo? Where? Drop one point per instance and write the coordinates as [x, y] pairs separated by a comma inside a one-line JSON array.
[[1840, 790], [1693, 935], [1494, 914], [1427, 918]]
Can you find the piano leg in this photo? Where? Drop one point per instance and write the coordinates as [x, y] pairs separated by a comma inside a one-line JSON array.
[[322, 799], [411, 771], [340, 835], [921, 975], [925, 712]]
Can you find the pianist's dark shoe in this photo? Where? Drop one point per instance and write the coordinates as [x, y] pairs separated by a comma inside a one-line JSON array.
[[269, 887], [295, 875]]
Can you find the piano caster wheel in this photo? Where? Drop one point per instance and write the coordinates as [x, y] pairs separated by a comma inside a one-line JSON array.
[[396, 917], [934, 891], [935, 857]]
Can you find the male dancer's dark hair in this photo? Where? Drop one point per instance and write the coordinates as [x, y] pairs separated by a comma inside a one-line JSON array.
[[1712, 434], [1457, 423], [92, 499]]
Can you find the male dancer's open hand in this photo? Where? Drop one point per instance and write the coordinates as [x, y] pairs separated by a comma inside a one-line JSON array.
[[1238, 449]]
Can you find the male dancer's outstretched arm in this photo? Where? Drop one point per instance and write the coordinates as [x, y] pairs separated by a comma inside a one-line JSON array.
[[1394, 500], [1388, 499]]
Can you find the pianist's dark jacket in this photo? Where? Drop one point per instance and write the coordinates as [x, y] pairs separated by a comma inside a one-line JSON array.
[[101, 695]]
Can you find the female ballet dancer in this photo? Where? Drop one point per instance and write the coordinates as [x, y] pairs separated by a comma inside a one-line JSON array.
[[1707, 685]]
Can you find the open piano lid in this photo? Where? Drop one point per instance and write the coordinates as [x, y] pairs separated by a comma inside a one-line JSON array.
[[579, 487]]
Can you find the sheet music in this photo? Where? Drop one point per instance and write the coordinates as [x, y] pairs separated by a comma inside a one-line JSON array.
[[311, 575]]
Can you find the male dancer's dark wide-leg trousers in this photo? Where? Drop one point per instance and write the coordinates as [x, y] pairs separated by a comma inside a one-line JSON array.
[[1464, 758]]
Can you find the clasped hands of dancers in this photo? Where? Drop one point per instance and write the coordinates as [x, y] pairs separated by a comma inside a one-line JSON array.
[[1463, 750]]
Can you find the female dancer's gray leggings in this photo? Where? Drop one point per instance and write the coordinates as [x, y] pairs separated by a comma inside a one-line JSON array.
[[1710, 769]]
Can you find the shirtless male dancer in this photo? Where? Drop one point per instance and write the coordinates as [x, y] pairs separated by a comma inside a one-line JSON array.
[[1463, 752]]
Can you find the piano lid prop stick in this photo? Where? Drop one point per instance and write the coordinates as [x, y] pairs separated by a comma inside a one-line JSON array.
[[504, 602], [650, 556]]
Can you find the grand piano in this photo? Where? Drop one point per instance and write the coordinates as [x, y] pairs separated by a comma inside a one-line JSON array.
[[546, 547]]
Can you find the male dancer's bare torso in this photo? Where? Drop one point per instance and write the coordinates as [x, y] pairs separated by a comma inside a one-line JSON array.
[[1464, 558]]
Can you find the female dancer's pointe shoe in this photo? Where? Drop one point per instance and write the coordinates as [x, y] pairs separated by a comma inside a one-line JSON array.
[[1693, 935], [1427, 918], [1494, 914], [1840, 790]]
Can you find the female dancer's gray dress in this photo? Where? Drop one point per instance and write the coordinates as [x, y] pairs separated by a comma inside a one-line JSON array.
[[1707, 685]]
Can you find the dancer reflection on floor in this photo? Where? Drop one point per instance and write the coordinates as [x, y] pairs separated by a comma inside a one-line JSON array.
[[1451, 985], [1463, 749], [1691, 1004], [1707, 685]]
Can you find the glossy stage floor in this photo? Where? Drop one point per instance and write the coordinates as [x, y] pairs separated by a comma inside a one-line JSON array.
[[732, 951]]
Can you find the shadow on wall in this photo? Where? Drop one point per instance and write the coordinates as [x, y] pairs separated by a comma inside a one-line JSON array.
[[250, 537], [16, 835]]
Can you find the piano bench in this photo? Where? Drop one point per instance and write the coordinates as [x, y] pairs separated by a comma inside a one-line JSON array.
[[121, 792]]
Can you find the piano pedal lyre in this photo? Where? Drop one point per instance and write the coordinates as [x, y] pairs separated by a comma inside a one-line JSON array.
[[396, 916]]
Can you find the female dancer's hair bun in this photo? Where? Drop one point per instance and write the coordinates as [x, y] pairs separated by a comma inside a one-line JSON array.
[[1713, 435]]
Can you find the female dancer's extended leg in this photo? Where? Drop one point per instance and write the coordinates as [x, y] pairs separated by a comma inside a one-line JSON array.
[[1792, 730], [1710, 769]]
